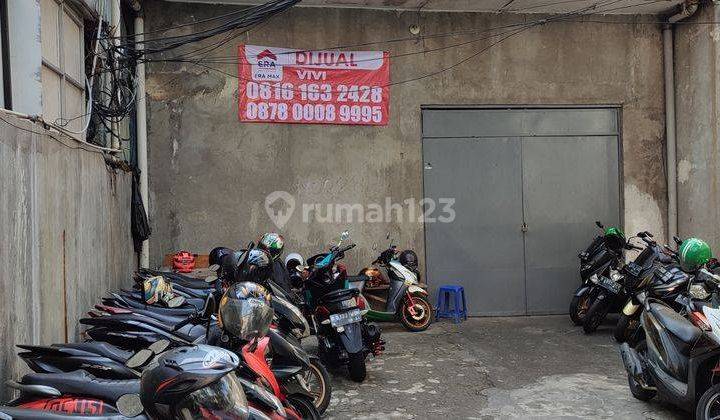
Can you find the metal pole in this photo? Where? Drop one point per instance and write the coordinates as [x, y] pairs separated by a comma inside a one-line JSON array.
[[670, 139], [141, 112], [116, 32]]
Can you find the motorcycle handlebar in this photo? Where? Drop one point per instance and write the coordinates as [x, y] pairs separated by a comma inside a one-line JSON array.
[[347, 248]]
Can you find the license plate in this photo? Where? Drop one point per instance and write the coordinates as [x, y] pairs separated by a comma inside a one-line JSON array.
[[610, 285], [349, 317]]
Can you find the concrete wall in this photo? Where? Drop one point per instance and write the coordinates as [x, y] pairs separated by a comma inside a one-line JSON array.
[[697, 79], [65, 237], [209, 173]]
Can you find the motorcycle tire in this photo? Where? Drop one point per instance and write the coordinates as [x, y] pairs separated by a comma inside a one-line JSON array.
[[356, 366], [710, 398], [596, 313], [412, 324], [322, 377], [578, 309], [635, 389], [304, 406]]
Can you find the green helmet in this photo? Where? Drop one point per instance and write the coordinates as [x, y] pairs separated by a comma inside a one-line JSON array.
[[615, 238], [693, 253]]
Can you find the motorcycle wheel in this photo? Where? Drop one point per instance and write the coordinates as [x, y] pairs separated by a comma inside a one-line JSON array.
[[422, 318], [304, 406], [709, 405], [317, 380], [356, 366], [596, 313], [625, 328], [635, 389], [578, 308]]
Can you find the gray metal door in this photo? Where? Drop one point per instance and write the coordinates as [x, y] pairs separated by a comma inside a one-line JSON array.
[[528, 185]]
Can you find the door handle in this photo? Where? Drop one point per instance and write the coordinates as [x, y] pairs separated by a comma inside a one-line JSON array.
[[524, 228]]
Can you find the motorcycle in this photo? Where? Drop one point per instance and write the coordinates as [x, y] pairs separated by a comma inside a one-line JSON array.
[[392, 292], [653, 275], [344, 337], [603, 255], [678, 357], [217, 392], [608, 290]]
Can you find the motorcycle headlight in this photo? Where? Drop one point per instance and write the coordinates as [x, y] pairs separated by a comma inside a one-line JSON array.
[[698, 291]]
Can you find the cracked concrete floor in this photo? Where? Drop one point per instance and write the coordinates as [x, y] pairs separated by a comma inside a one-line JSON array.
[[522, 367]]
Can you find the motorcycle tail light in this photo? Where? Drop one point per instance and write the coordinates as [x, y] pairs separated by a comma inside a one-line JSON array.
[[322, 312], [700, 321], [360, 303]]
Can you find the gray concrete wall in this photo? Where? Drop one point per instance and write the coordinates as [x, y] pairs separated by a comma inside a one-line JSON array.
[[209, 173], [697, 79], [65, 237]]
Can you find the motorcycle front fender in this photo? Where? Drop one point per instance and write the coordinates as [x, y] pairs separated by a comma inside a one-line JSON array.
[[417, 290], [351, 337], [582, 291]]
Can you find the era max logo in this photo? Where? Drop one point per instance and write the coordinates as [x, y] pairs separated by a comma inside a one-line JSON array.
[[267, 67]]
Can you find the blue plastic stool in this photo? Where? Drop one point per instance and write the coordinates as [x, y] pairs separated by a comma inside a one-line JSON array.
[[443, 303]]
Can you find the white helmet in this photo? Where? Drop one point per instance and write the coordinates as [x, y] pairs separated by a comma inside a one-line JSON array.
[[294, 256]]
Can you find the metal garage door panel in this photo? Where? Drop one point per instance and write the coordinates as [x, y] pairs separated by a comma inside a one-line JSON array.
[[519, 122], [568, 183], [482, 249]]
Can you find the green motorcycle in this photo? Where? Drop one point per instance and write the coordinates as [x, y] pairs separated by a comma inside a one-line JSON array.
[[391, 291]]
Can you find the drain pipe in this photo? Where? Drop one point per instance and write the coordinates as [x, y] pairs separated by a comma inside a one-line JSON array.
[[141, 127], [687, 10]]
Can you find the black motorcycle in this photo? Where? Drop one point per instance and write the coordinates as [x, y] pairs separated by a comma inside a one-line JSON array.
[[607, 289], [344, 337], [603, 255], [678, 356]]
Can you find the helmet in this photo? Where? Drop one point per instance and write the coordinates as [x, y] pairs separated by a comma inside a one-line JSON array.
[[409, 258], [252, 265], [245, 311], [292, 261], [184, 262], [272, 243], [615, 238], [216, 255], [693, 253], [194, 382]]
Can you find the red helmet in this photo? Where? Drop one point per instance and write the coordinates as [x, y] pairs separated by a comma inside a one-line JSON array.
[[184, 262]]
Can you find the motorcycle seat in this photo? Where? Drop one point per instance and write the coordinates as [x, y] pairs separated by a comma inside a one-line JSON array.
[[82, 383], [675, 323], [339, 295], [361, 277], [131, 303], [100, 348]]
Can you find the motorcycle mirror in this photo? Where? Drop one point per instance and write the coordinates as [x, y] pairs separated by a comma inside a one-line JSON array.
[[129, 405], [159, 346], [344, 235], [641, 234], [210, 279], [176, 301], [599, 224], [141, 358], [677, 240]]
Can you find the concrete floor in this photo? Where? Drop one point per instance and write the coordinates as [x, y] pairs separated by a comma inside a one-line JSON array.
[[526, 367]]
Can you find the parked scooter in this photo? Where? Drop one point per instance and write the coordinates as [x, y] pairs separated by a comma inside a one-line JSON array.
[[607, 291], [344, 337], [188, 382], [392, 292], [603, 256]]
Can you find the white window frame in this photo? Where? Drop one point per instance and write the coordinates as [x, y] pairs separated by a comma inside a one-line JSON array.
[[61, 70]]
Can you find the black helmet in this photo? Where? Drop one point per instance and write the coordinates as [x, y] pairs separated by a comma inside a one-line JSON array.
[[216, 255], [245, 311], [194, 382], [253, 265], [409, 259], [272, 243]]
